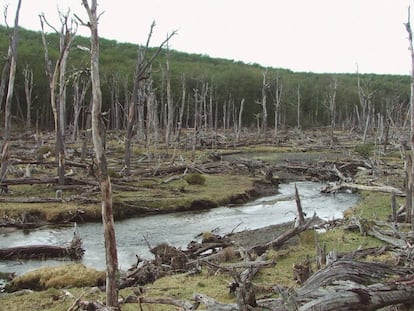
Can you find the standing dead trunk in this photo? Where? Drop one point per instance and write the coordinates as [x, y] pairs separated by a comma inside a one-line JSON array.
[[331, 99], [81, 85], [28, 89], [170, 108], [411, 172], [102, 174], [298, 108], [12, 74], [57, 78], [240, 120], [263, 102], [180, 120], [142, 70], [278, 99]]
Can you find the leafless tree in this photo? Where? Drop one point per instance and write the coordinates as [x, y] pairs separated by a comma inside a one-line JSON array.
[[366, 94], [102, 166], [28, 90], [240, 120], [263, 103], [10, 90], [81, 84], [411, 172], [277, 104], [12, 74], [57, 82], [331, 105], [170, 106], [298, 107], [142, 70]]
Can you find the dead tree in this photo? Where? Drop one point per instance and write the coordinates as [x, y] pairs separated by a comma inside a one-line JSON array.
[[365, 100], [298, 108], [28, 89], [6, 68], [57, 83], [7, 120], [170, 107], [181, 114], [142, 70], [263, 103], [240, 120], [81, 84], [411, 172], [331, 105], [277, 103], [102, 166], [12, 74]]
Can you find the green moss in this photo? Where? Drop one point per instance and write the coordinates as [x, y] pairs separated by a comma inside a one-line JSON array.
[[72, 275], [195, 179]]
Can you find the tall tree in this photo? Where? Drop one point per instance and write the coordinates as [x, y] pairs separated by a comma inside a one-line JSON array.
[[411, 172], [57, 83], [277, 103], [142, 69], [28, 90], [102, 166], [12, 74], [331, 105]]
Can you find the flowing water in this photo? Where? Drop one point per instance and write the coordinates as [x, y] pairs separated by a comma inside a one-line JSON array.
[[178, 229]]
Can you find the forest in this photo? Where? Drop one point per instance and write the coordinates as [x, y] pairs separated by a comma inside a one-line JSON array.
[[187, 132], [301, 99]]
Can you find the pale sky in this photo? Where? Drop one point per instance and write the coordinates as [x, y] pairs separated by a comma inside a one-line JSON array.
[[301, 35]]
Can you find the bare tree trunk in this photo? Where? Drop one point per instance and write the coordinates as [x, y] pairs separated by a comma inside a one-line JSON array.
[[103, 177], [5, 75], [80, 87], [12, 75], [411, 172], [265, 85], [180, 120], [278, 99], [331, 98], [28, 88], [240, 120], [298, 108], [57, 77], [170, 108]]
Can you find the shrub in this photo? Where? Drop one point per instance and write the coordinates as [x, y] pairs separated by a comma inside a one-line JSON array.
[[364, 150], [195, 179]]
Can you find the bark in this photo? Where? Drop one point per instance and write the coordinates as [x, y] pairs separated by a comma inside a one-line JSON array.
[[411, 172], [57, 77], [28, 88], [170, 107], [73, 251], [265, 86], [278, 99], [103, 177], [12, 75], [281, 239]]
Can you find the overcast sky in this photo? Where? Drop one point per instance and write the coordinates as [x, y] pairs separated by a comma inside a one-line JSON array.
[[301, 35]]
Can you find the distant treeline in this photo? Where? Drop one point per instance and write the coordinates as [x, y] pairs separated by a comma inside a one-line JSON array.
[[225, 83]]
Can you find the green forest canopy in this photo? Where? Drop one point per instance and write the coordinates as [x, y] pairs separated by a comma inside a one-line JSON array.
[[230, 81]]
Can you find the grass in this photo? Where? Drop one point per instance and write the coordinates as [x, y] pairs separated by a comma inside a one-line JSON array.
[[152, 194]]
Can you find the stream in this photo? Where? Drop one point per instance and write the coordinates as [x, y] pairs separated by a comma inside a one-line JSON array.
[[177, 229]]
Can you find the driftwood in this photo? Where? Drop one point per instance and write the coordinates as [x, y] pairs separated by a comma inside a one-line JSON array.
[[353, 186], [281, 239], [74, 251]]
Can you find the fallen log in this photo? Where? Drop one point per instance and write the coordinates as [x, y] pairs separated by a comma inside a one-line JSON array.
[[353, 186], [73, 251], [281, 239]]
